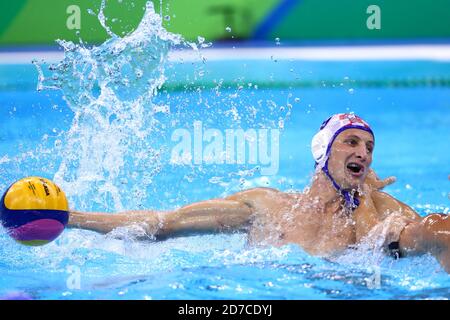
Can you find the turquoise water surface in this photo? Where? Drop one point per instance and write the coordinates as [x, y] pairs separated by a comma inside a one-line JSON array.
[[104, 121], [412, 128]]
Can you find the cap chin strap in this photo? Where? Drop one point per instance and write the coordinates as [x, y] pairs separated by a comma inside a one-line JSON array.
[[351, 201]]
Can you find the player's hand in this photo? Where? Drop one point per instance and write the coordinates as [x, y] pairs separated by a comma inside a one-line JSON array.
[[376, 183]]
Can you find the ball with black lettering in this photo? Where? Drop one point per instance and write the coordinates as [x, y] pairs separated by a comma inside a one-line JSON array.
[[34, 211]]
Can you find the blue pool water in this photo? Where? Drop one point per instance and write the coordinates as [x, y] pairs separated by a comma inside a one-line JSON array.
[[412, 127], [106, 137]]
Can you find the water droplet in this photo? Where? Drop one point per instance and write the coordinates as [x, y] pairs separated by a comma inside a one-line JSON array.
[[228, 29], [351, 90], [206, 45], [91, 12], [167, 18], [297, 100]]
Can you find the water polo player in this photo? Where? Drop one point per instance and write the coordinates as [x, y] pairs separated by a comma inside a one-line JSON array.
[[342, 207]]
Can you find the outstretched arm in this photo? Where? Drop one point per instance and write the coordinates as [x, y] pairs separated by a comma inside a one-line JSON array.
[[429, 235], [231, 213], [414, 234]]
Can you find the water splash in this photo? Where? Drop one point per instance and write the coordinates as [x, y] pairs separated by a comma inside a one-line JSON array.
[[110, 89], [116, 154], [102, 20]]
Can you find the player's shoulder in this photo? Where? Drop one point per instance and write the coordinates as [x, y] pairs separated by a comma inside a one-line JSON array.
[[387, 203], [384, 199], [381, 195]]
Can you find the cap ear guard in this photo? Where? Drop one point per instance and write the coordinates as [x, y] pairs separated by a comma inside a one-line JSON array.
[[319, 145]]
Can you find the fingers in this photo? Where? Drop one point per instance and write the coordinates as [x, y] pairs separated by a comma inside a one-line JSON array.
[[380, 184], [376, 183], [389, 180]]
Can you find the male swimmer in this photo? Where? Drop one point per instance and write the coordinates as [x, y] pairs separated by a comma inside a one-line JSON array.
[[343, 206]]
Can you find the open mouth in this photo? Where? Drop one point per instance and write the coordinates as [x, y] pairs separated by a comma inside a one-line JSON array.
[[355, 169]]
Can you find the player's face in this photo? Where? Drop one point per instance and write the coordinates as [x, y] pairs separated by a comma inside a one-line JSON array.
[[351, 157]]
